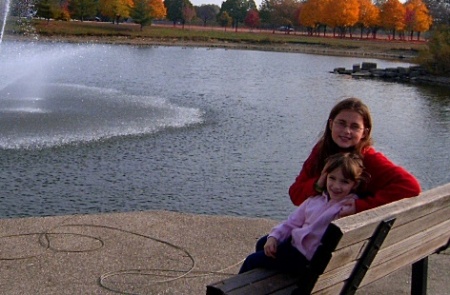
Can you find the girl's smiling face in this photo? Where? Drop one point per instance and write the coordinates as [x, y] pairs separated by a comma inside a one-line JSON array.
[[347, 129], [338, 186]]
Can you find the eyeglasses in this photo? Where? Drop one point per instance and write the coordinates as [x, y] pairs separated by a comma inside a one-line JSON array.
[[342, 125]]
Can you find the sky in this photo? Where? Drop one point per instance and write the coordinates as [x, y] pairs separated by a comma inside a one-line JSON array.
[[217, 2]]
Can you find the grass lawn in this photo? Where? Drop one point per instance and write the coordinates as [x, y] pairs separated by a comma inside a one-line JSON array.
[[131, 33]]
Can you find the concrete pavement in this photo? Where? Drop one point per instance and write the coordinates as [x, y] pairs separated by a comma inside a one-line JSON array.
[[153, 252]]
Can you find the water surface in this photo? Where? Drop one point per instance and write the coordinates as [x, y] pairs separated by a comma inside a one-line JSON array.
[[100, 128]]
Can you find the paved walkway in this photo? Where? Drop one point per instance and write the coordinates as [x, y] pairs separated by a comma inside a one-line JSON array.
[[154, 252]]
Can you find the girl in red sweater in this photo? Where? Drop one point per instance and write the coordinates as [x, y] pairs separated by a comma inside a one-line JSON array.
[[349, 129]]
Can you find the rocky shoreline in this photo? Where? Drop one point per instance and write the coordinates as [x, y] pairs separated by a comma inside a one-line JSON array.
[[411, 74]]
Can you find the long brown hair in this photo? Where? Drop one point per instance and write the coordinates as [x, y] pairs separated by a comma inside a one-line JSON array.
[[328, 147]]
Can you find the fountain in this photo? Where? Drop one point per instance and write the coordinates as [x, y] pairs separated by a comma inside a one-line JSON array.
[[4, 12], [53, 94]]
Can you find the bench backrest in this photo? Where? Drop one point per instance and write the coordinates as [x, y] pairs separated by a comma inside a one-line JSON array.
[[421, 226]]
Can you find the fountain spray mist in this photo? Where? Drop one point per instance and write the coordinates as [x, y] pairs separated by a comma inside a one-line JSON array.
[[3, 16]]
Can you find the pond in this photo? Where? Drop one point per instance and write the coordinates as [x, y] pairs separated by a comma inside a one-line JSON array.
[[107, 128]]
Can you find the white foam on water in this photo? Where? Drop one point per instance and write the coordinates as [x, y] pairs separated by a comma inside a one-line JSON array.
[[79, 114]]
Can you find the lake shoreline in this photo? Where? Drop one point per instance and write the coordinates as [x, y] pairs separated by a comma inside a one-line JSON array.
[[362, 52], [403, 55]]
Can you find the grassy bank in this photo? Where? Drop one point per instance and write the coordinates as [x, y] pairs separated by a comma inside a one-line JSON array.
[[213, 37]]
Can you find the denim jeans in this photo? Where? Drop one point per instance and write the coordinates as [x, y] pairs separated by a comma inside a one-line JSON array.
[[288, 258]]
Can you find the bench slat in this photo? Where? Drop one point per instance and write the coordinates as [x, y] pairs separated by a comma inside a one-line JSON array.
[[334, 276], [353, 252], [232, 283], [408, 245], [402, 260], [387, 254], [331, 290], [360, 226], [278, 282], [403, 231]]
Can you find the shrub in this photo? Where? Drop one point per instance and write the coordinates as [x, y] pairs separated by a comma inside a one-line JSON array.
[[436, 58]]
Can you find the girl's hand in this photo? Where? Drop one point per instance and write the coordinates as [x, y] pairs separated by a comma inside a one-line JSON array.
[[270, 248], [348, 208], [323, 177]]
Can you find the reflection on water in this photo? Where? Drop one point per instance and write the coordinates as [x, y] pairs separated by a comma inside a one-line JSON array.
[[96, 128]]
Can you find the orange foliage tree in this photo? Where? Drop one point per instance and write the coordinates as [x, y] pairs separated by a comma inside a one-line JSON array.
[[342, 15], [393, 16], [345, 15], [312, 15], [115, 9], [418, 18], [369, 17]]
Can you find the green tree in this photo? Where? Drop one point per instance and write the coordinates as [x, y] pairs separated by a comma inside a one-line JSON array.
[[264, 12], [237, 9], [44, 10], [284, 13], [142, 13], [224, 20], [207, 12], [175, 9], [82, 9]]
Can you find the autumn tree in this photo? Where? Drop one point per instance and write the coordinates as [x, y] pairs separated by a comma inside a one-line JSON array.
[[393, 16], [342, 14], [115, 9], [417, 17], [82, 9], [144, 11], [207, 12], [61, 10], [369, 17], [312, 15], [252, 19]]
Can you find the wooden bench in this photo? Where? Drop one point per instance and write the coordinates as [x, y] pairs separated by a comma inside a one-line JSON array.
[[360, 249]]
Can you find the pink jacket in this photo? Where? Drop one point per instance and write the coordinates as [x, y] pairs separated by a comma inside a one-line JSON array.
[[308, 223]]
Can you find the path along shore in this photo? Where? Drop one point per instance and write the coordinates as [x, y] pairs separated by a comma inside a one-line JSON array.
[[152, 252]]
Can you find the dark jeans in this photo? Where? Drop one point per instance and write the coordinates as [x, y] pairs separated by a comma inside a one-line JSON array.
[[287, 258]]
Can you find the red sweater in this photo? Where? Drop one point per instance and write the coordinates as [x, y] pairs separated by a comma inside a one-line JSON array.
[[388, 182]]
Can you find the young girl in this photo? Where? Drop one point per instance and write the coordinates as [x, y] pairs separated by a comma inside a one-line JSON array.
[[348, 129], [291, 244]]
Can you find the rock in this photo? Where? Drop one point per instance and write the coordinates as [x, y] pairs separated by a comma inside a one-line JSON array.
[[413, 73]]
